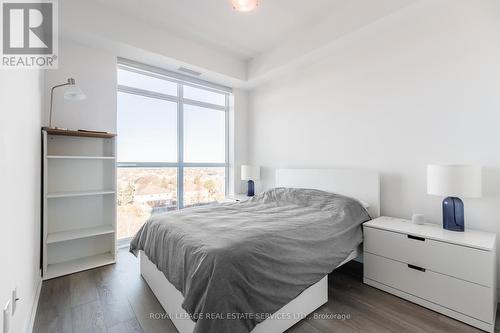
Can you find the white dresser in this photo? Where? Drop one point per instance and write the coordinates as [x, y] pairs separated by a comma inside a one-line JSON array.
[[450, 272]]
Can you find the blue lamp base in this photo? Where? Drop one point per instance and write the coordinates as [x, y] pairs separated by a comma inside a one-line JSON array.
[[251, 188], [453, 214]]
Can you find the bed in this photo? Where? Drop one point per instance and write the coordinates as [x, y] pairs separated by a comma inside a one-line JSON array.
[[360, 184]]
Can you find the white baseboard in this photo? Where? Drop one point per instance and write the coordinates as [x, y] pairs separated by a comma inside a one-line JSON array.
[[34, 307]]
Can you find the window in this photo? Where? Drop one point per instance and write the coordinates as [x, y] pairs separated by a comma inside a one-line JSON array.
[[204, 135], [172, 144], [148, 129]]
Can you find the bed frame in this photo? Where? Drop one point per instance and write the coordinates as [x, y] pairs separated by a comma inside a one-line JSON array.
[[360, 184]]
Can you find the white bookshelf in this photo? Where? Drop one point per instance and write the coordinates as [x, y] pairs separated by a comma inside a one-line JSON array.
[[79, 201]]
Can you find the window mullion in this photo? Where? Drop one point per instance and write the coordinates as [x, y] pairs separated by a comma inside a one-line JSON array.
[[226, 159], [180, 147], [204, 104]]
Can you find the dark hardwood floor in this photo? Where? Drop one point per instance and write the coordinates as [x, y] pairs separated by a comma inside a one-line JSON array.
[[115, 299]]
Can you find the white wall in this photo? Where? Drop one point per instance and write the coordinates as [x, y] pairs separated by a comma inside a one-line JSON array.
[[419, 86], [20, 137]]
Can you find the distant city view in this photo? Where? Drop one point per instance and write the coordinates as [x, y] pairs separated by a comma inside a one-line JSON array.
[[143, 192]]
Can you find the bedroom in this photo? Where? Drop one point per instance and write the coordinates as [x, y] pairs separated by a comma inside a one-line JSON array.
[[394, 103]]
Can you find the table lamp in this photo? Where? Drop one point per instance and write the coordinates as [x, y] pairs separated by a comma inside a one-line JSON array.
[[250, 173], [454, 181], [73, 92]]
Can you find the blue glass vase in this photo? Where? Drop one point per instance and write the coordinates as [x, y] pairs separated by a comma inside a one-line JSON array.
[[453, 214], [251, 189]]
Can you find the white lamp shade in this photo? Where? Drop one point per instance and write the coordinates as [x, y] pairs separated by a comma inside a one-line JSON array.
[[250, 172], [463, 181], [74, 93]]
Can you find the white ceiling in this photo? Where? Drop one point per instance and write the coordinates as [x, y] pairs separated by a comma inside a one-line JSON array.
[[216, 24], [235, 49]]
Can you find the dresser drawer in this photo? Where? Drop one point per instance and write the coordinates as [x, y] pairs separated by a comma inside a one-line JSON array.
[[468, 298], [462, 262]]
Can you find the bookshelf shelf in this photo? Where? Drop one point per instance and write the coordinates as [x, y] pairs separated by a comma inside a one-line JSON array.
[[71, 157], [63, 236], [78, 193], [77, 265], [79, 133]]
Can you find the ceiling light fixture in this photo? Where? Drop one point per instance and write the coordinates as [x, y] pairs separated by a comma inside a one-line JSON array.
[[244, 5]]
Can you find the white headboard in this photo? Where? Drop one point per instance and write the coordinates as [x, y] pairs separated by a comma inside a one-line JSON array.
[[354, 183]]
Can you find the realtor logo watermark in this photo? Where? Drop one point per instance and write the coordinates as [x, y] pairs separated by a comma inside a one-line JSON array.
[[29, 34]]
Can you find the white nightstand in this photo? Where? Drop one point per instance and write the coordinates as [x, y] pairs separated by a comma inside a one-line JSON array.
[[235, 198], [450, 272]]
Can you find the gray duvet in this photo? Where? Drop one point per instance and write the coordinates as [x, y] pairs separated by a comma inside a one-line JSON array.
[[236, 263]]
